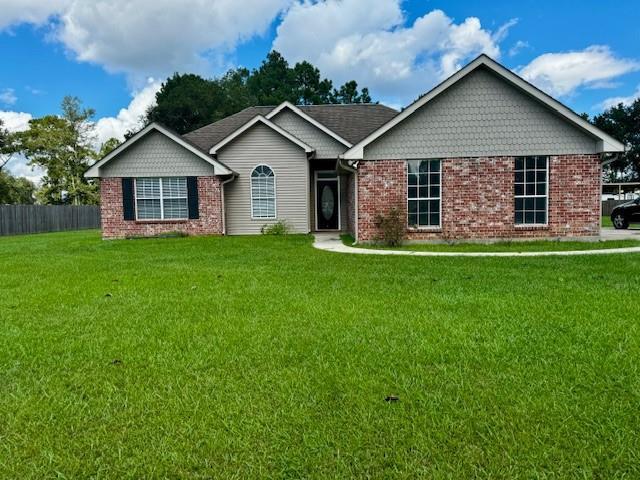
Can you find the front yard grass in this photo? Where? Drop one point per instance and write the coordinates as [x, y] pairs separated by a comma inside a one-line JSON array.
[[261, 357]]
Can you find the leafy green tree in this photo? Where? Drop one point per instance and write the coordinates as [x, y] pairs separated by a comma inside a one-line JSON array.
[[63, 146], [273, 82], [348, 93], [8, 145], [16, 190], [310, 88], [186, 102], [108, 146], [623, 123]]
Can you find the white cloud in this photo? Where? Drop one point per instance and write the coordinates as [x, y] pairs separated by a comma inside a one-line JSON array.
[[15, 121], [128, 118], [14, 12], [613, 101], [8, 96], [158, 37], [563, 73], [518, 47], [147, 37], [17, 166], [374, 46]]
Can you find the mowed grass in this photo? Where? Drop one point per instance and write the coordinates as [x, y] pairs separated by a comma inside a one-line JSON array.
[[265, 358]]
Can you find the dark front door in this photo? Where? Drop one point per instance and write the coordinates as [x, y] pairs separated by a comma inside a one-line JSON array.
[[327, 204]]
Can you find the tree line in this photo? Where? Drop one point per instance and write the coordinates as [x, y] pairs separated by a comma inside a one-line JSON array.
[[64, 145]]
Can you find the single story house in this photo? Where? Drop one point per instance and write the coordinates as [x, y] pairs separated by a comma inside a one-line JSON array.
[[483, 155]]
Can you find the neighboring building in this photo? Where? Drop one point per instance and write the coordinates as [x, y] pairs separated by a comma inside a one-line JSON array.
[[483, 155]]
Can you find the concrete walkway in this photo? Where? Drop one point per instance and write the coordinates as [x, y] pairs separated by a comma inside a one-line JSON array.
[[331, 242]]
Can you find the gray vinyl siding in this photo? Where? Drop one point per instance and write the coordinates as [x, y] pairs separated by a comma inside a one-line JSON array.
[[481, 115], [324, 145], [261, 145], [156, 155]]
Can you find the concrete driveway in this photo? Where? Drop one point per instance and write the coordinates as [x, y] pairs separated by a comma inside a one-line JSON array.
[[610, 233]]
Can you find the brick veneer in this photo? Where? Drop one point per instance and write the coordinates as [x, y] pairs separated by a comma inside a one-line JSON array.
[[114, 225], [478, 198]]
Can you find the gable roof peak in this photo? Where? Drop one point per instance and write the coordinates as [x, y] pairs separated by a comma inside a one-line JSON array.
[[605, 143]]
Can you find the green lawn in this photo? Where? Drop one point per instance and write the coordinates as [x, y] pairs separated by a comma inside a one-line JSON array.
[[606, 222], [265, 358]]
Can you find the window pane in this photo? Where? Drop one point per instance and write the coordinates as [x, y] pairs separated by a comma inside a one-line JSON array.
[[413, 206], [434, 219], [541, 189], [423, 218], [423, 192], [176, 208], [528, 203], [519, 189], [413, 166], [541, 176], [529, 217], [148, 209], [174, 187], [413, 179], [435, 165], [519, 163], [434, 205], [530, 163], [541, 217], [541, 163], [148, 187], [541, 203], [413, 219], [520, 177], [519, 217], [413, 192], [435, 191], [530, 189], [435, 178], [519, 203], [531, 176]]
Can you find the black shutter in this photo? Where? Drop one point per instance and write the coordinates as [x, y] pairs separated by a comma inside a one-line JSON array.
[[192, 197], [128, 207]]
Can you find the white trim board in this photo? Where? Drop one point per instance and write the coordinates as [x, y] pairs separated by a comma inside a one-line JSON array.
[[94, 170], [605, 142], [260, 119], [309, 119]]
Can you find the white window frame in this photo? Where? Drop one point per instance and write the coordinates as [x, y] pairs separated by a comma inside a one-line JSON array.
[[429, 198], [524, 224], [162, 198], [275, 193]]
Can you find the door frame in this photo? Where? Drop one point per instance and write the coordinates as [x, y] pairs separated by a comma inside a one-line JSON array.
[[336, 179]]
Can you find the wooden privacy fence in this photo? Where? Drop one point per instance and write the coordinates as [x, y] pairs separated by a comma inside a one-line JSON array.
[[21, 219], [608, 205]]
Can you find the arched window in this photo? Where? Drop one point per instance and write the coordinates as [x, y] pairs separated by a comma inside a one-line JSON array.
[[263, 192]]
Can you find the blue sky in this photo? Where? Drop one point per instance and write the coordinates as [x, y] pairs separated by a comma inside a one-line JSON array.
[[113, 54]]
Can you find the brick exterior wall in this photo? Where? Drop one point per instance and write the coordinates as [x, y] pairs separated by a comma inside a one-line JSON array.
[[114, 225], [477, 197]]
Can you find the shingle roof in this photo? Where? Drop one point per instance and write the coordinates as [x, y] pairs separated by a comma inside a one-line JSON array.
[[352, 122]]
